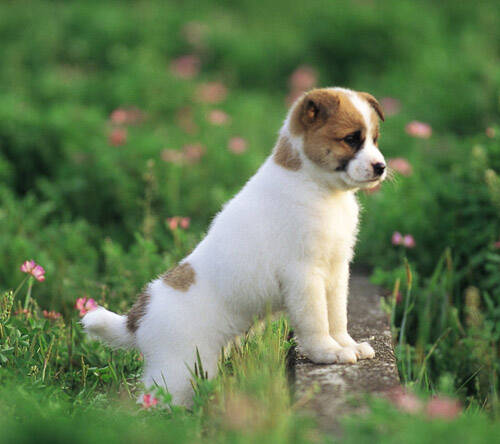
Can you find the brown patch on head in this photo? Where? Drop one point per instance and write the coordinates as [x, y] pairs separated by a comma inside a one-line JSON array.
[[286, 156], [180, 277], [137, 311], [313, 110], [374, 104], [324, 117]]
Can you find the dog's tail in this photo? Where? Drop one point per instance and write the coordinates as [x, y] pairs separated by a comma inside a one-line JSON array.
[[108, 327]]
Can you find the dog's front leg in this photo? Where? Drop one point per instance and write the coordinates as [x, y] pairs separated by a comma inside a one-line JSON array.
[[336, 292], [307, 308]]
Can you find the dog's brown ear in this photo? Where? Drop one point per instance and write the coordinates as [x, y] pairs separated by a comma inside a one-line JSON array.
[[313, 110], [374, 104]]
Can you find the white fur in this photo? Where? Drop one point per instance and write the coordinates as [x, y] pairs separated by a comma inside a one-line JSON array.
[[108, 326], [284, 241], [360, 169]]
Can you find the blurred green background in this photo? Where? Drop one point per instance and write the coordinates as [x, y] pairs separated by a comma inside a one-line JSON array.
[[118, 115]]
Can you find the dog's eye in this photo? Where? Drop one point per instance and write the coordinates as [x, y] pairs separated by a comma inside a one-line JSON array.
[[354, 140], [375, 139]]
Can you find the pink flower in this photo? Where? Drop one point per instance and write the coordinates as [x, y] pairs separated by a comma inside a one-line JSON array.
[[117, 137], [490, 132], [218, 117], [397, 238], [178, 221], [211, 92], [404, 401], [173, 222], [126, 116], [419, 129], [118, 116], [28, 266], [85, 305], [38, 273], [184, 222], [149, 401], [186, 67], [497, 244], [237, 145], [31, 267], [443, 408], [23, 312], [408, 241], [303, 78], [401, 165], [52, 315], [193, 152], [390, 105]]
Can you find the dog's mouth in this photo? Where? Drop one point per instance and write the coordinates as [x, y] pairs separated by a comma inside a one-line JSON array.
[[368, 183], [377, 179]]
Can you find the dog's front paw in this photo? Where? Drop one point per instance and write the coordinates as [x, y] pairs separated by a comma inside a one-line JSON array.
[[364, 351], [328, 351], [347, 355]]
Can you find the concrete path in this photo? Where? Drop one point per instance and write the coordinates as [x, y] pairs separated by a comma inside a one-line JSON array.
[[330, 391]]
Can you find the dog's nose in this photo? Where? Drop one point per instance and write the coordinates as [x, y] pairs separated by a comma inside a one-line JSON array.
[[378, 168]]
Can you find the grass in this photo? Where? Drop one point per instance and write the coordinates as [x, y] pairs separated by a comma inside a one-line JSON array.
[[59, 386], [88, 198], [54, 380]]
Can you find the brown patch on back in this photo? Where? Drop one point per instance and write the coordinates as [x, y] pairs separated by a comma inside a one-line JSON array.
[[137, 311], [285, 156], [180, 277]]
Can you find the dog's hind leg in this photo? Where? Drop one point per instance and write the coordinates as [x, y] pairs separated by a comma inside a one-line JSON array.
[[171, 377], [176, 374]]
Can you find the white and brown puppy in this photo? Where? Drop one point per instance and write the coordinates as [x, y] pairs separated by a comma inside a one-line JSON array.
[[285, 241]]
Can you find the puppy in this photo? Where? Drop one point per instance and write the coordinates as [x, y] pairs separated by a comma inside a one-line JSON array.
[[284, 241]]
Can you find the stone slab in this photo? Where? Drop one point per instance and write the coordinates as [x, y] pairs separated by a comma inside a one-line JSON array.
[[331, 391]]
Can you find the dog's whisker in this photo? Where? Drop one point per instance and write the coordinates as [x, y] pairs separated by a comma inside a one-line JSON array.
[[392, 175]]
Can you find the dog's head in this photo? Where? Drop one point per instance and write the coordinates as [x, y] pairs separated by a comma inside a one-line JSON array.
[[337, 132]]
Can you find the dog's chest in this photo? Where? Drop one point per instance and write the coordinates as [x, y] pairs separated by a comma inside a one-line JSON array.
[[333, 229]]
